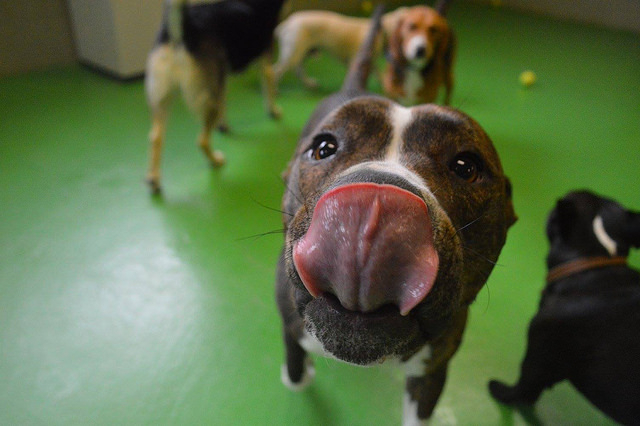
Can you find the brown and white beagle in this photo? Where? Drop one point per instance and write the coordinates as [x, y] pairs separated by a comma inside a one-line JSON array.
[[420, 56]]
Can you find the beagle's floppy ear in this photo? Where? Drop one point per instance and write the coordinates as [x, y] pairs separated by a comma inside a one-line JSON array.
[[633, 229], [445, 47], [395, 43]]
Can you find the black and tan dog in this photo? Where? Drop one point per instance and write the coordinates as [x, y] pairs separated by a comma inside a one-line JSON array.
[[198, 45], [394, 219], [587, 329]]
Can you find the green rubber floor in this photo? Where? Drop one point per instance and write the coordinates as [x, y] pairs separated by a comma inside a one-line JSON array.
[[117, 308]]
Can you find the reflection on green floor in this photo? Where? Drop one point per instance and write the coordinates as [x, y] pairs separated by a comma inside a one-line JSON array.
[[118, 308]]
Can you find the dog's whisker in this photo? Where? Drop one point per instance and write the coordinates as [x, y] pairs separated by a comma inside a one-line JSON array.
[[486, 308], [263, 234], [469, 224], [270, 208], [481, 256]]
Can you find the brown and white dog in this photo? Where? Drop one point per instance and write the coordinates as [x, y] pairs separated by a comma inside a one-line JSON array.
[[197, 46], [307, 31], [394, 219], [420, 56]]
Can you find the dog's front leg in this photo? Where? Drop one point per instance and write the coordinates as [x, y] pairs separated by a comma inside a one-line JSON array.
[[269, 89], [298, 371], [426, 373], [421, 396]]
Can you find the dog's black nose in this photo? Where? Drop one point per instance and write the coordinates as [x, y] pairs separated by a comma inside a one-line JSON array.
[[421, 52]]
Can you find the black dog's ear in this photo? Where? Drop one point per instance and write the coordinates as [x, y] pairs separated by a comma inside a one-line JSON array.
[[567, 216], [633, 229]]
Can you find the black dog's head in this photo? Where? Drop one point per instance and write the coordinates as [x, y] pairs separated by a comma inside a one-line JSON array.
[[583, 224]]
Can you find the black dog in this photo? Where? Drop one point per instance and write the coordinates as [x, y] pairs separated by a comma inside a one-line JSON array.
[[587, 329], [394, 218], [198, 45]]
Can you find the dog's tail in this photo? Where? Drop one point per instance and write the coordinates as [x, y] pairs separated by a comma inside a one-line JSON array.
[[175, 10], [442, 7], [360, 66]]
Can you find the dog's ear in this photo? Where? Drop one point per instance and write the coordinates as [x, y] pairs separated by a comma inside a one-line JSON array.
[[395, 43], [445, 47], [567, 215], [633, 229], [512, 217]]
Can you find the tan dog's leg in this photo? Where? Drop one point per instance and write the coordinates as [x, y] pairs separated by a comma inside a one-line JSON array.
[[310, 83], [216, 158], [203, 87], [159, 86], [156, 138], [269, 89], [292, 55], [222, 123]]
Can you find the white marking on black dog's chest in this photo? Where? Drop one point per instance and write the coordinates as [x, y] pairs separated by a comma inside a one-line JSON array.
[[603, 237]]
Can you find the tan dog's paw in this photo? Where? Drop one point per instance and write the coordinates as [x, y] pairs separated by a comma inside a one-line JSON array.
[[275, 112], [154, 184], [223, 127], [310, 83], [217, 159]]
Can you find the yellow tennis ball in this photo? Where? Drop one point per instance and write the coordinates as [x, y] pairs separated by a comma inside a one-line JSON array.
[[527, 78], [496, 3], [367, 6]]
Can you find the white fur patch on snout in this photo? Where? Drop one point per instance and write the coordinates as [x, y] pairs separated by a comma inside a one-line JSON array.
[[412, 47], [399, 117], [603, 237]]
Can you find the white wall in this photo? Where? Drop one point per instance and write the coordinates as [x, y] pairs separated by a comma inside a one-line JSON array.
[[618, 14]]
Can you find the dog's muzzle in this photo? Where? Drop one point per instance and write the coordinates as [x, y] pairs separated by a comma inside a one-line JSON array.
[[370, 245]]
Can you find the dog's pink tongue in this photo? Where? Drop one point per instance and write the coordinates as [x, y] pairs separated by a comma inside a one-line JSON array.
[[370, 245]]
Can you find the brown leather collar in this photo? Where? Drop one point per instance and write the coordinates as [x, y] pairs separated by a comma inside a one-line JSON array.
[[573, 267]]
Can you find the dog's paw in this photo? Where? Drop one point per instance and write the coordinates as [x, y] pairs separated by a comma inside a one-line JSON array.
[[223, 128], [217, 159], [311, 83], [307, 377], [154, 185], [275, 112]]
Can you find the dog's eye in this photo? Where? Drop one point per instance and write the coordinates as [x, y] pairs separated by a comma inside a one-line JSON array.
[[323, 146], [466, 166], [413, 26]]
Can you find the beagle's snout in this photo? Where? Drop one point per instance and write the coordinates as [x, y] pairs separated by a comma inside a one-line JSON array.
[[416, 48]]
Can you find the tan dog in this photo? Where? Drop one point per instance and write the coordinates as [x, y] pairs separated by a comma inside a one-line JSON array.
[[304, 32], [421, 55], [198, 45]]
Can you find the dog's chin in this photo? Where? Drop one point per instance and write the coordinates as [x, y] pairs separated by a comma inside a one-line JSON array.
[[362, 338], [419, 63]]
